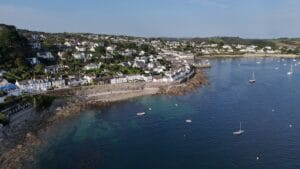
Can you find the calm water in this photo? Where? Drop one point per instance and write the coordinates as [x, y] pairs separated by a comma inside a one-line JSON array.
[[115, 138]]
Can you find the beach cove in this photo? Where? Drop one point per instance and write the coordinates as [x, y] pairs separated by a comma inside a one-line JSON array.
[[18, 150]]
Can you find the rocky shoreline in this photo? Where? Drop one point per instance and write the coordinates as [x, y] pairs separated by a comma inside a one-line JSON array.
[[251, 55], [19, 151], [199, 79]]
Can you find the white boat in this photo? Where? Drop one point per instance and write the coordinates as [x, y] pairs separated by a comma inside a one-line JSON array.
[[291, 71], [140, 113], [253, 78], [188, 121], [240, 131]]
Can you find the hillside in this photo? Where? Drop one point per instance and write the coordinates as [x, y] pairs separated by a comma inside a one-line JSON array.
[[14, 49]]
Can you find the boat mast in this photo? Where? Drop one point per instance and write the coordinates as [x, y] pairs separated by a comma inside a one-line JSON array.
[[240, 126]]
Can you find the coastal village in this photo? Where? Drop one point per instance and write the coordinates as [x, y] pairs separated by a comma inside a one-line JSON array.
[[104, 59], [64, 61], [159, 84], [106, 65]]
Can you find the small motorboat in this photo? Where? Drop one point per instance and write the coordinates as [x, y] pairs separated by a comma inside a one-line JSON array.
[[140, 113], [188, 121]]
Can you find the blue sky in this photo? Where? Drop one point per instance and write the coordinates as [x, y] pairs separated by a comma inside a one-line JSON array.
[[153, 18]]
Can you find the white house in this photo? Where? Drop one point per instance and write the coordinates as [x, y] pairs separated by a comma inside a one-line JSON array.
[[238, 46], [268, 48], [131, 78], [92, 66], [45, 55], [78, 55], [89, 79], [107, 57], [33, 61], [226, 47], [80, 49], [142, 53], [92, 49], [36, 45], [37, 86], [150, 65], [110, 49], [68, 44]]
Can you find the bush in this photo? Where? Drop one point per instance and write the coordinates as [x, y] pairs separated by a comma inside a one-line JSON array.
[[3, 119], [10, 99], [2, 93], [43, 102]]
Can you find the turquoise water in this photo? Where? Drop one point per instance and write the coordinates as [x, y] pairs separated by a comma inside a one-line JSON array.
[[116, 138]]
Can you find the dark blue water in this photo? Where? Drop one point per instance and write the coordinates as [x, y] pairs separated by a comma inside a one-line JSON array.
[[115, 138]]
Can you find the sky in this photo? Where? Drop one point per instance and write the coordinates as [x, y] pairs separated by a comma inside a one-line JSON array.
[[157, 18]]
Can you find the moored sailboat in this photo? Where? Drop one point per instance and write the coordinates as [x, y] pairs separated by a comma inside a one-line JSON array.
[[253, 78], [240, 131], [291, 71]]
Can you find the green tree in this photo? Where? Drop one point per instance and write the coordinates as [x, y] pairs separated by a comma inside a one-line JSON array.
[[43, 102], [39, 69], [13, 48], [100, 50]]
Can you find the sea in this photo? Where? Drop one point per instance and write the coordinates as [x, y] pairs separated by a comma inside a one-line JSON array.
[[194, 131]]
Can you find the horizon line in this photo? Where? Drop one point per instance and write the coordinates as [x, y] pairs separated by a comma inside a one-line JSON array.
[[150, 37]]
